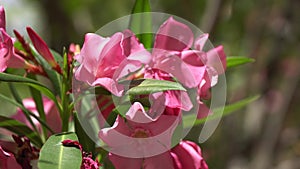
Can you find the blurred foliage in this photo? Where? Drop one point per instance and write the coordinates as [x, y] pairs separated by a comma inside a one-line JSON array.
[[265, 134]]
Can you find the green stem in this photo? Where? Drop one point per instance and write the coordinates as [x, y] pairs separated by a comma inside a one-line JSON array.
[[65, 99]]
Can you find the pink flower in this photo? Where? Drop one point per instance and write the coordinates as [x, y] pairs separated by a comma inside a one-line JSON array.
[[8, 160], [171, 54], [140, 140], [187, 155], [6, 49], [194, 68], [8, 57], [106, 60], [52, 114]]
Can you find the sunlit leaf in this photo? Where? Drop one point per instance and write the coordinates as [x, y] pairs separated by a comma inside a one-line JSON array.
[[148, 86], [54, 155], [234, 61]]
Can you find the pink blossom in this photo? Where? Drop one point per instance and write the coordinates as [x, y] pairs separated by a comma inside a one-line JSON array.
[[6, 49], [140, 139], [187, 155], [8, 160], [194, 68], [174, 39], [106, 60], [52, 114], [8, 57]]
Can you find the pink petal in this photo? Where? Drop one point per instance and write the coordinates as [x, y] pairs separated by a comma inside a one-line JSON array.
[[120, 137], [8, 161], [137, 114], [178, 99], [175, 66], [203, 111], [158, 105], [2, 18], [194, 57], [200, 41], [174, 36], [91, 51], [176, 161], [120, 162], [188, 156], [112, 136], [133, 49], [217, 59], [110, 85], [82, 74], [161, 161], [112, 53], [6, 49], [126, 67]]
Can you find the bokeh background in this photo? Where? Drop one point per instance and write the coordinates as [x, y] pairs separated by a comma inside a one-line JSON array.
[[265, 134]]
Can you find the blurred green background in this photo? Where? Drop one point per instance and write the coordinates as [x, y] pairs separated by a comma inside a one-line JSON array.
[[266, 133]]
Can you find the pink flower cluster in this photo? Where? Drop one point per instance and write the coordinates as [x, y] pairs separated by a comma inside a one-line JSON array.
[[143, 138]]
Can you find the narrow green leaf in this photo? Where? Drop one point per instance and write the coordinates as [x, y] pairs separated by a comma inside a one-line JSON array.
[[141, 22], [148, 86], [20, 129], [35, 84], [189, 120], [54, 155], [20, 102], [27, 112], [86, 142], [234, 61], [52, 75], [38, 100]]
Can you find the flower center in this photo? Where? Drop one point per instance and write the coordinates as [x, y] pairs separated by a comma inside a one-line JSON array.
[[141, 133]]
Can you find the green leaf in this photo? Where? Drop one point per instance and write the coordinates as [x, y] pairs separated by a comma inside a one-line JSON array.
[[141, 22], [35, 84], [86, 142], [148, 86], [58, 58], [189, 120], [20, 129], [54, 155], [19, 103], [53, 76], [27, 112], [234, 61]]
